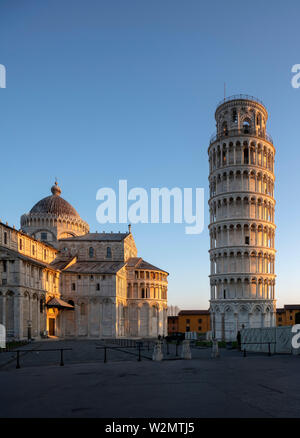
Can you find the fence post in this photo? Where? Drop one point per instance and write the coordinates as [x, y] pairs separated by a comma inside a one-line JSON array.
[[18, 360], [61, 357]]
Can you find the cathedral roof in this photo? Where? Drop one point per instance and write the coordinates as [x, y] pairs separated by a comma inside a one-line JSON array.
[[104, 237], [54, 204], [95, 267], [139, 263]]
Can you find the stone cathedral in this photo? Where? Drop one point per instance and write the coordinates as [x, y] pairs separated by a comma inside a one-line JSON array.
[[242, 229], [58, 279]]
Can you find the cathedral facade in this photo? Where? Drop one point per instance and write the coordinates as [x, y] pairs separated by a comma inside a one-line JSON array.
[[58, 279]]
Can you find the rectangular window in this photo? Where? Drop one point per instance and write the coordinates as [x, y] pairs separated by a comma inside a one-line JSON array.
[[73, 286], [4, 282], [21, 244], [187, 329], [187, 321], [79, 277], [199, 329], [5, 238], [4, 266], [98, 286], [247, 240], [44, 236]]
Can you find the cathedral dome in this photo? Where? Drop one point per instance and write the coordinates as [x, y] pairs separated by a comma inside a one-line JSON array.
[[54, 204]]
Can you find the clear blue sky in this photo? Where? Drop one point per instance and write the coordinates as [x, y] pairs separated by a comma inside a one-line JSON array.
[[99, 91]]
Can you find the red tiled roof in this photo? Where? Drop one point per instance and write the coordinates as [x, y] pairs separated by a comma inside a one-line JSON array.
[[60, 304], [139, 263]]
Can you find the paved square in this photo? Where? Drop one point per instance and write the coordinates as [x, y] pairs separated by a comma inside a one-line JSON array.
[[230, 386]]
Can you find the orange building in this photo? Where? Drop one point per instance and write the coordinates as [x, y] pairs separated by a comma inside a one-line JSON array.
[[288, 315], [194, 321], [173, 325]]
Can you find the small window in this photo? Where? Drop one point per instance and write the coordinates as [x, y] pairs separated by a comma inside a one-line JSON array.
[[5, 238], [187, 329], [73, 286], [234, 115], [33, 250], [291, 318], [98, 286], [143, 293], [200, 320], [44, 236], [21, 244], [108, 252], [187, 321], [92, 278], [4, 282], [224, 294], [246, 127], [280, 319], [91, 252], [79, 277], [199, 328], [224, 128], [41, 305], [45, 254], [4, 266], [247, 241], [82, 309]]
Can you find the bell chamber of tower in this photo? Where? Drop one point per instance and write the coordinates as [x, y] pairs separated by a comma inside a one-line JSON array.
[[242, 230]]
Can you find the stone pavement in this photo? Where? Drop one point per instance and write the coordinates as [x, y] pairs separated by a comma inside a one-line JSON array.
[[230, 386]]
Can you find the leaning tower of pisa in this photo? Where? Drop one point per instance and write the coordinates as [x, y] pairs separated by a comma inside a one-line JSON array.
[[242, 229]]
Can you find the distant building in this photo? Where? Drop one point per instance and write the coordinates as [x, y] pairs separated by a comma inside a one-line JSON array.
[[190, 321], [288, 315], [57, 278], [173, 324]]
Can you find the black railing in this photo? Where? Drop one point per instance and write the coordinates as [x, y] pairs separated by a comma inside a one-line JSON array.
[[17, 352], [240, 96], [127, 346], [257, 343], [238, 132]]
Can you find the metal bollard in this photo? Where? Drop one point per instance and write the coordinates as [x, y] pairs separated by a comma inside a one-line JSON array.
[[61, 357]]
